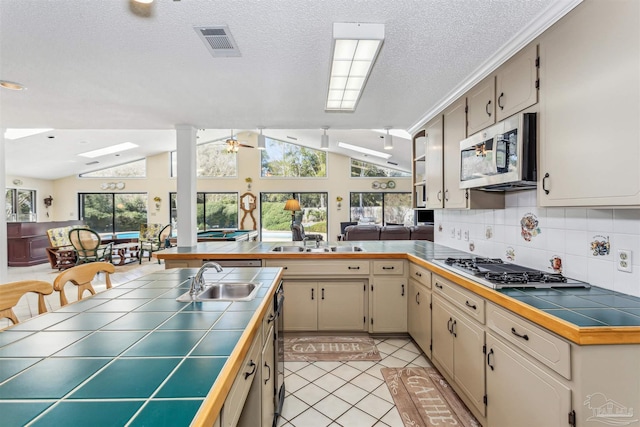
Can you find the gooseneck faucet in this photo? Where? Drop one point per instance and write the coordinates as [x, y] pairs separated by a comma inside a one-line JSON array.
[[197, 283]]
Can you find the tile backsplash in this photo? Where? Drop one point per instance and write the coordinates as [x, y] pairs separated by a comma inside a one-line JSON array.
[[583, 243]]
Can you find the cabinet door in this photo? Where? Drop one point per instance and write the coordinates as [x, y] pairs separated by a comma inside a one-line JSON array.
[[434, 164], [454, 132], [389, 302], [419, 315], [589, 108], [419, 172], [468, 359], [267, 380], [301, 309], [442, 339], [482, 107], [341, 306], [520, 393], [516, 83]]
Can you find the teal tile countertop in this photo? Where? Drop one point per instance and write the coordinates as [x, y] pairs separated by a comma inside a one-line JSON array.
[[130, 355], [582, 309]]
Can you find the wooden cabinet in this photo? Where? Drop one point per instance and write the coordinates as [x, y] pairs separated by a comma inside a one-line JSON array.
[[389, 289], [481, 105], [434, 179], [325, 306], [589, 108], [520, 393], [419, 315], [517, 83], [458, 344], [418, 169], [238, 401], [267, 379]]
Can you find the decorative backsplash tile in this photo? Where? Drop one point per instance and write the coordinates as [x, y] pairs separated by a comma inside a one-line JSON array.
[[580, 242]]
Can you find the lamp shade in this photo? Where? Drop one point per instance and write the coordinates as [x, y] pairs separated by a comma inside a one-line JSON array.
[[292, 205]]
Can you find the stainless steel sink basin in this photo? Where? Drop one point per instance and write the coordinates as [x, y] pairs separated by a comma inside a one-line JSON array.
[[224, 291], [346, 249], [324, 249], [288, 249]]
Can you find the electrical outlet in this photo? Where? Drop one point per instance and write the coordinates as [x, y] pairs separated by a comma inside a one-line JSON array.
[[459, 233], [466, 235], [623, 260], [453, 233]]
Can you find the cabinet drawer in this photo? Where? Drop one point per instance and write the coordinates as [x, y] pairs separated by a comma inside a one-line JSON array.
[[468, 302], [420, 274], [321, 268], [395, 267], [240, 389], [534, 340]]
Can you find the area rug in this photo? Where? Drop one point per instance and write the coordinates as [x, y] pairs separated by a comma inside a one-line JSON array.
[[330, 348], [424, 398]]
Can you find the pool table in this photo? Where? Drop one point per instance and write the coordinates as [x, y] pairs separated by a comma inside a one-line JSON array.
[[227, 234]]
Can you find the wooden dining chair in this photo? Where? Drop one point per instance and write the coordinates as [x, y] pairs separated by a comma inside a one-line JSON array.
[[10, 294], [81, 276]]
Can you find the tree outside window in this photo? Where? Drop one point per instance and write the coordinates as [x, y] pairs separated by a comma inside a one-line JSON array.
[[381, 208], [282, 159], [113, 212]]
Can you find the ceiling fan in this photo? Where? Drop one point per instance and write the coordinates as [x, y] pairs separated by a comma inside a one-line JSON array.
[[233, 145]]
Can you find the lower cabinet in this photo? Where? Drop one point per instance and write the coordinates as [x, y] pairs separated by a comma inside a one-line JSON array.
[[242, 406], [325, 306], [520, 393], [458, 344], [419, 315], [267, 379]]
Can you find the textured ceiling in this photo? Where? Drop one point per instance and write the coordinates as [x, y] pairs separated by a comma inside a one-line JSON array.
[[99, 65]]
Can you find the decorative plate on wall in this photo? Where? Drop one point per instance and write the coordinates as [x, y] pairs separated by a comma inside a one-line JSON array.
[[375, 185], [391, 184]]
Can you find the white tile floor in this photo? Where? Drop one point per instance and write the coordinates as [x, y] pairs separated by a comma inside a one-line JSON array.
[[347, 394], [319, 394]]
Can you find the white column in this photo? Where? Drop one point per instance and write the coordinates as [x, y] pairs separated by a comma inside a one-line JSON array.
[[186, 186], [4, 260]]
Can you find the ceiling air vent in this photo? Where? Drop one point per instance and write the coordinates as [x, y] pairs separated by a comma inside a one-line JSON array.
[[218, 40]]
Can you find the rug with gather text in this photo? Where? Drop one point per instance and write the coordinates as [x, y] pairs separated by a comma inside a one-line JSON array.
[[330, 348], [424, 398]]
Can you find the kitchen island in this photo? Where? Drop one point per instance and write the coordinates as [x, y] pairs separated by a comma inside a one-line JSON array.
[[516, 356], [133, 354]]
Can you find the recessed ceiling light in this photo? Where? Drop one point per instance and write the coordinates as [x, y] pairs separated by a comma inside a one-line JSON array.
[[109, 150], [363, 150], [12, 85], [23, 133]]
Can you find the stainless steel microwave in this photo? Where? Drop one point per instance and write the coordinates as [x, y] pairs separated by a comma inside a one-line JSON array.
[[501, 157]]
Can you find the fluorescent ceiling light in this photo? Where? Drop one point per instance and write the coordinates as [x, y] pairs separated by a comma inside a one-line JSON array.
[[109, 150], [363, 150], [23, 133], [355, 50]]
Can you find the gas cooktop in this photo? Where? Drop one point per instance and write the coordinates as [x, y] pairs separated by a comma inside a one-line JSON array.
[[497, 274]]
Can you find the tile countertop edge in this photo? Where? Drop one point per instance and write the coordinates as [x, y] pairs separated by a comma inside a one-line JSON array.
[[601, 335], [212, 405]]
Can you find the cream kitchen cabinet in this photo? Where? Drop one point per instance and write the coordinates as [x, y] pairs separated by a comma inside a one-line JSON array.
[[589, 107], [267, 379], [418, 169], [521, 393], [389, 290], [419, 307], [458, 350], [325, 306], [433, 164], [481, 105]]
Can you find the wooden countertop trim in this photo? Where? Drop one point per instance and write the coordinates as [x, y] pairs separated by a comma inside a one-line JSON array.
[[212, 404]]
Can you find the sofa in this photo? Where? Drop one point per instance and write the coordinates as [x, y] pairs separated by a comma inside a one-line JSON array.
[[389, 232]]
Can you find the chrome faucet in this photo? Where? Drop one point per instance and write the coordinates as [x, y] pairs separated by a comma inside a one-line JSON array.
[[197, 283]]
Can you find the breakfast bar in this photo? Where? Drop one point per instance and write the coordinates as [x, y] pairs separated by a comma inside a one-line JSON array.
[[133, 354]]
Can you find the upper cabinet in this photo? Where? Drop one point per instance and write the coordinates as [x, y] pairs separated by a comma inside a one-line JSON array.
[[419, 171], [513, 88], [434, 164], [589, 148]]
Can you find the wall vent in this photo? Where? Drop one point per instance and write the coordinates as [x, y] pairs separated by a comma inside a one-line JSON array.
[[218, 40]]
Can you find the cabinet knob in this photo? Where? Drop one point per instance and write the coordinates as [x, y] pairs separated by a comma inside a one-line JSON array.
[[486, 108], [524, 337], [544, 183], [489, 359], [470, 305], [500, 103], [253, 371]]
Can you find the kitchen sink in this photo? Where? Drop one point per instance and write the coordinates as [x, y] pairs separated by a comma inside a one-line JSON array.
[[288, 249], [224, 291], [322, 249], [346, 249]]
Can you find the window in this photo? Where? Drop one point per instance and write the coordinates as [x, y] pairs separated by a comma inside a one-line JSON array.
[[20, 205], [381, 208], [212, 160], [276, 222], [281, 159], [369, 170], [135, 169], [113, 212], [213, 210]]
